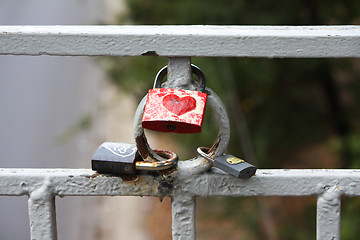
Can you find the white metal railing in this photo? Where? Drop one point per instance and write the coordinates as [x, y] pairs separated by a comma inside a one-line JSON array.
[[42, 185], [206, 41]]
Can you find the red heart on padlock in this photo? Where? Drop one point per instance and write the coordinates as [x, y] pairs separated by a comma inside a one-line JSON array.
[[174, 110], [177, 105]]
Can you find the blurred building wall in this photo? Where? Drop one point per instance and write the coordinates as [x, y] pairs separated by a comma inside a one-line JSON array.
[[48, 109]]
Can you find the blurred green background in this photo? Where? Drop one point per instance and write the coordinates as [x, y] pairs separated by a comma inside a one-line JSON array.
[[285, 113]]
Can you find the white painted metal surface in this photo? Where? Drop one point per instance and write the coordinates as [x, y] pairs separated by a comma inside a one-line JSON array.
[[42, 185], [226, 41]]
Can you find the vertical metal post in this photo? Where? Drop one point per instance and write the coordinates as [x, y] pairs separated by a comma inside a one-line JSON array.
[[183, 206], [328, 214], [183, 217], [179, 72], [42, 214]]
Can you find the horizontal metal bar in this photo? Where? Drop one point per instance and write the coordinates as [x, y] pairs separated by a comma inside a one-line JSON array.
[[76, 182], [207, 41]]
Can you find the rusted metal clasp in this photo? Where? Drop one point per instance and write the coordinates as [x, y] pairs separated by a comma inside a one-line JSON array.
[[169, 162]]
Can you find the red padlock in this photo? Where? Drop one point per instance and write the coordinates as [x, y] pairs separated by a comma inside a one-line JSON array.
[[175, 110]]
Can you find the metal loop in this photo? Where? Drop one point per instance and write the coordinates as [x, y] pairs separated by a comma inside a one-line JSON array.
[[194, 69], [197, 164], [203, 152], [171, 161]]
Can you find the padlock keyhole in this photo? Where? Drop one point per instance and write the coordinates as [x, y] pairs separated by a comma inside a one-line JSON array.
[[171, 127]]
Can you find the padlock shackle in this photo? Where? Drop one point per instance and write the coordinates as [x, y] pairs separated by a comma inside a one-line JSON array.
[[171, 160], [203, 152], [194, 69]]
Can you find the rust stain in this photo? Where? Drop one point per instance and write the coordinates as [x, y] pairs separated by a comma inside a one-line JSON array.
[[204, 161], [168, 171], [129, 178], [141, 184], [140, 143], [93, 176]]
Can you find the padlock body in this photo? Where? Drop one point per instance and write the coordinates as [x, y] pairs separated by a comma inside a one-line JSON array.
[[174, 110], [240, 169], [116, 158]]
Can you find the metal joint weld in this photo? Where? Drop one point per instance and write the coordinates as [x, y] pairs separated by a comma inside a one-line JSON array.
[[331, 194], [45, 191]]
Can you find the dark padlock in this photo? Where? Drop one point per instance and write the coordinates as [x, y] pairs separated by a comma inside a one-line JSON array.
[[230, 164], [175, 110], [124, 159]]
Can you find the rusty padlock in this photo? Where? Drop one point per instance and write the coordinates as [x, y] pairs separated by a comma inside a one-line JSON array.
[[175, 110]]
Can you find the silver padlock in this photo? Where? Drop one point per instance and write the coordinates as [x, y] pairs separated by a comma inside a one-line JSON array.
[[229, 163], [124, 159]]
